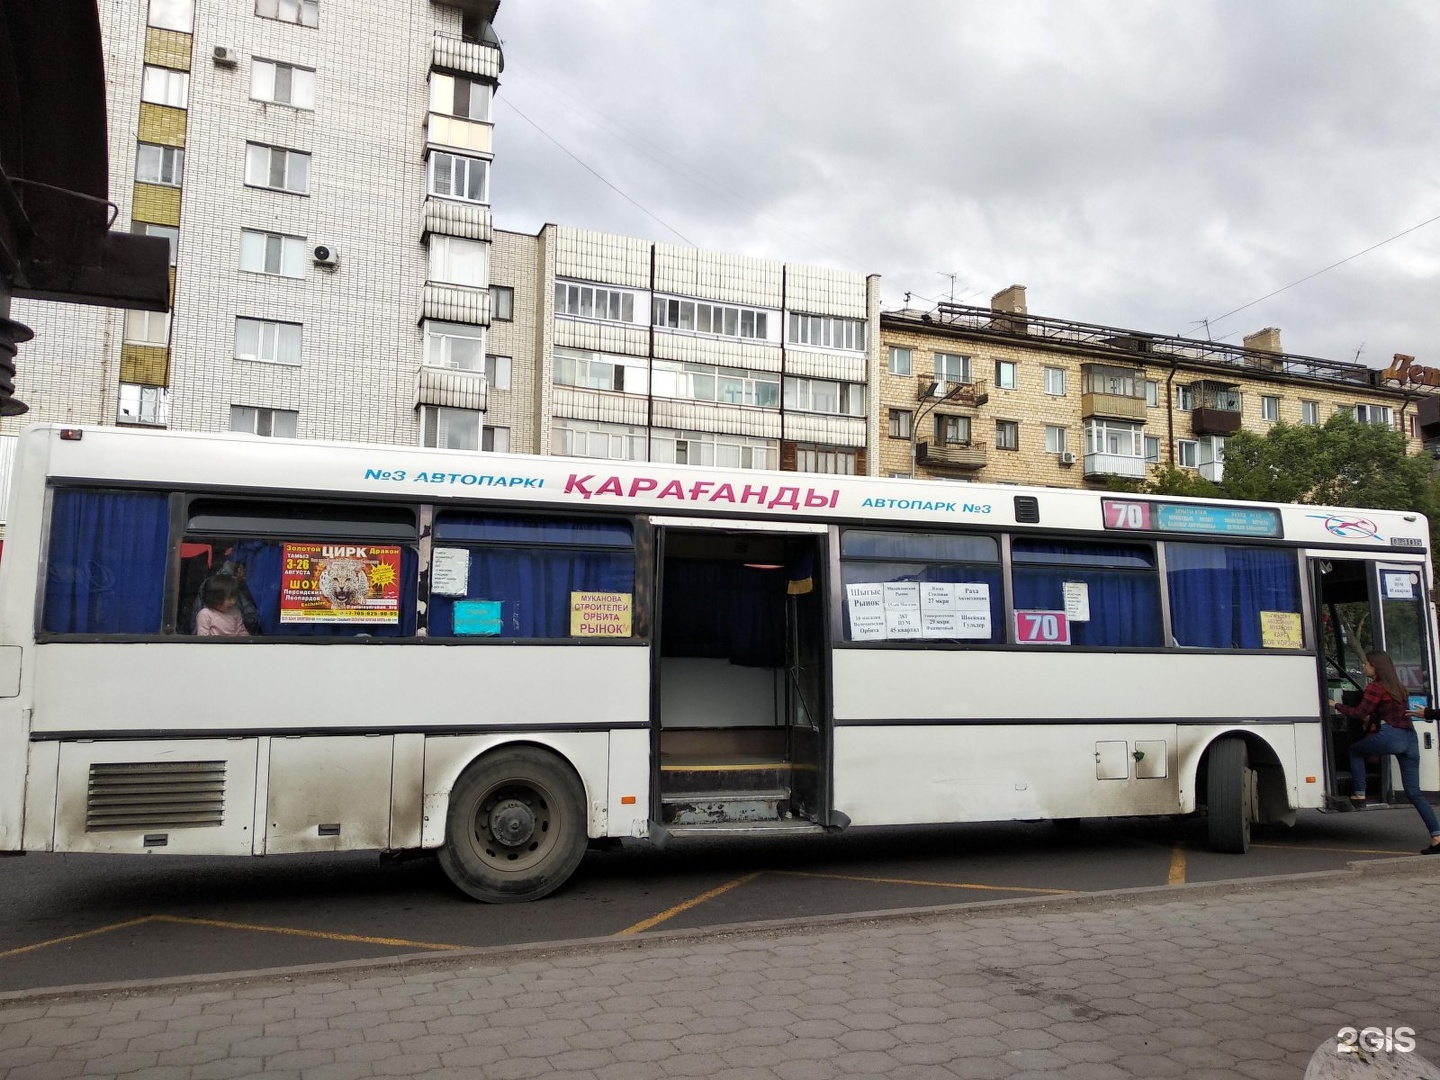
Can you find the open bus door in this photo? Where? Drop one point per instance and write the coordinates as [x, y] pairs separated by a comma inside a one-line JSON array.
[[740, 708], [1366, 604]]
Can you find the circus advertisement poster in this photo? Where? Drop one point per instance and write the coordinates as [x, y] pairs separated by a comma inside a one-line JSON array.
[[340, 583]]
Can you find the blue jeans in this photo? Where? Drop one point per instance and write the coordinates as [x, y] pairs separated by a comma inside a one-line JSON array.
[[1405, 745]]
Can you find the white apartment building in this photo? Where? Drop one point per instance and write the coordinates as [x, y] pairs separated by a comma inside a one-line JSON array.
[[321, 170]]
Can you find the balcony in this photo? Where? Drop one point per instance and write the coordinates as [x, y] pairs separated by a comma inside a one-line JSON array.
[[1127, 465], [1112, 393], [1213, 421], [963, 456], [934, 388], [1112, 407], [1214, 471]]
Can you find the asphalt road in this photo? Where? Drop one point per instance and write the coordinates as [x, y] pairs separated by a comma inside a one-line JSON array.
[[84, 919]]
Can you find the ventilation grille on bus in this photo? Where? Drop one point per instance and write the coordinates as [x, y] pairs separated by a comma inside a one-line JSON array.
[[1027, 509], [155, 795]]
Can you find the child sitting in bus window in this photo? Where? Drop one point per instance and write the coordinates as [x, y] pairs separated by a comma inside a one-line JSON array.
[[220, 617]]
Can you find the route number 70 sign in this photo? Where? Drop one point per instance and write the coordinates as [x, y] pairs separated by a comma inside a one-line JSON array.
[[1042, 628]]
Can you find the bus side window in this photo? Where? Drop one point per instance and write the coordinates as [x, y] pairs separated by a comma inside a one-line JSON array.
[[107, 562], [1218, 593], [514, 576], [1120, 581]]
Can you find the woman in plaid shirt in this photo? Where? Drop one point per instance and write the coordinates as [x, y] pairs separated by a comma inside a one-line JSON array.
[[1383, 710]]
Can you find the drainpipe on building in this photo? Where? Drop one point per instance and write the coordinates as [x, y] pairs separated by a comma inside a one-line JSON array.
[[784, 316], [650, 372], [1170, 415]]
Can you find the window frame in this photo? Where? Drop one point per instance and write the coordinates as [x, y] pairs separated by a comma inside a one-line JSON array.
[[438, 335], [458, 260], [290, 251], [289, 161], [894, 364], [169, 170], [1007, 435], [301, 79], [1007, 374], [435, 417], [159, 398], [457, 164], [274, 328], [164, 86], [1269, 407], [902, 423], [502, 303], [265, 417], [302, 7]]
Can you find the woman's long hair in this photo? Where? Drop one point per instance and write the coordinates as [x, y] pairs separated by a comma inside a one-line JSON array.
[[1386, 677]]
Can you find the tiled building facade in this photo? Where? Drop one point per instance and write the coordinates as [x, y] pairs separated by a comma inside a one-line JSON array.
[[997, 394]]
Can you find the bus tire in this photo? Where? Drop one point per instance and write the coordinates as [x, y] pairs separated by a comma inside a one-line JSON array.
[[1230, 796], [516, 827]]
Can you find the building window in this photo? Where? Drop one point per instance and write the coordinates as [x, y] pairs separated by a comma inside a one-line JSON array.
[[495, 440], [1269, 407], [172, 14], [708, 448], [143, 405], [601, 371], [1114, 437], [1310, 412], [277, 168], [902, 361], [272, 423], [169, 232], [161, 86], [147, 327], [454, 96], [704, 318], [272, 253], [578, 438], [902, 423], [449, 429], [952, 430], [826, 332], [593, 302], [1152, 393], [1005, 374], [1374, 414], [502, 303], [497, 372], [1152, 449], [457, 261], [1185, 398], [282, 84], [817, 459], [271, 342], [950, 369], [159, 164], [1054, 439], [456, 177], [304, 12], [1007, 435], [454, 345], [1055, 381], [1187, 453], [824, 396], [702, 382]]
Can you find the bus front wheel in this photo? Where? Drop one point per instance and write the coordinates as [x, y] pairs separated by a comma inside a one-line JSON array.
[[1230, 796], [516, 829]]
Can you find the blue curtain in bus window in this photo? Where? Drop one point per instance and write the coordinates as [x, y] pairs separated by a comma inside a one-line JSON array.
[[107, 563], [1217, 593], [718, 609], [1120, 579], [264, 562], [524, 569]]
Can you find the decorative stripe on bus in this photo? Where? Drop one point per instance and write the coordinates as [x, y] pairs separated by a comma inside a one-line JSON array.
[[1061, 721], [296, 733]]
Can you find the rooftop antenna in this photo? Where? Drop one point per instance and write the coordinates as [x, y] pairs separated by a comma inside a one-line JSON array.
[[1206, 324], [1358, 351], [952, 275]]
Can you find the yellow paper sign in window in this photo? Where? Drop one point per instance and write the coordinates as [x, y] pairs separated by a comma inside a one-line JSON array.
[[1281, 630], [600, 614]]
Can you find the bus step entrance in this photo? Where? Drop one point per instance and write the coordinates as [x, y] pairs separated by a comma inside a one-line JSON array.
[[711, 789], [725, 807]]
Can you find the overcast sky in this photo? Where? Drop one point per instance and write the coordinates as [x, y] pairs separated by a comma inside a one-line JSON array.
[[1138, 164]]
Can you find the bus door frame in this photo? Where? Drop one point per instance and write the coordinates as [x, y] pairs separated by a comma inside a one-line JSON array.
[[822, 537]]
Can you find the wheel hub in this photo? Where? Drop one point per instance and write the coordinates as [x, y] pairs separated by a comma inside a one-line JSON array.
[[512, 823]]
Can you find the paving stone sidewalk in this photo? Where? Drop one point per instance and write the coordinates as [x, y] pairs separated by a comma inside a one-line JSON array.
[[1245, 979]]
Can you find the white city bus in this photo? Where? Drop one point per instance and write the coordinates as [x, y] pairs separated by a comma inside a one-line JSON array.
[[506, 658]]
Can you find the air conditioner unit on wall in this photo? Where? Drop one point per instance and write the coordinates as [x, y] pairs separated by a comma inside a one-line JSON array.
[[1067, 457], [225, 57], [325, 255]]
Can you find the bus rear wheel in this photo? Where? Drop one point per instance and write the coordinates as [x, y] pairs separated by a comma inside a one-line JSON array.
[[1230, 796], [516, 828]]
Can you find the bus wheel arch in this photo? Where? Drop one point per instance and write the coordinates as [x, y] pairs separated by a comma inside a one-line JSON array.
[[516, 828], [1243, 782]]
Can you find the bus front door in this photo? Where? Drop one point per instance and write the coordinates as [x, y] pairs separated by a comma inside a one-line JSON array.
[[1367, 604], [740, 710]]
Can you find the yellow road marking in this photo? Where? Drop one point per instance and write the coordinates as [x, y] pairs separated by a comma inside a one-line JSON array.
[[323, 935], [670, 913], [1340, 850], [933, 884], [1177, 866], [75, 937]]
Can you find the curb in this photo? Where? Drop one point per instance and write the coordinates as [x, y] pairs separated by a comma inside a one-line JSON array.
[[498, 955]]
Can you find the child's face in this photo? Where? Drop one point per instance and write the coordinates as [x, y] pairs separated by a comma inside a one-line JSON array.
[[228, 604]]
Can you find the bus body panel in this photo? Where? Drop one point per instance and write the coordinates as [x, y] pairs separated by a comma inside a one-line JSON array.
[[342, 687]]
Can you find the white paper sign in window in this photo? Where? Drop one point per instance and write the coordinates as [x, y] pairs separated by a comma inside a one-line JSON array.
[[867, 611], [902, 610], [1400, 586], [449, 572], [1077, 601]]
